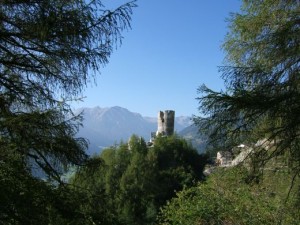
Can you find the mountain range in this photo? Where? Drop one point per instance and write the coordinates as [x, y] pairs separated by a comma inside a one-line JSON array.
[[105, 127]]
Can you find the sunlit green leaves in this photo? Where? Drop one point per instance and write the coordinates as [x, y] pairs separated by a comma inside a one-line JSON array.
[[225, 198], [136, 180]]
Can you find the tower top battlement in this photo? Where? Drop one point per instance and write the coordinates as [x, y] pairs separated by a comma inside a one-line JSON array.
[[165, 122]]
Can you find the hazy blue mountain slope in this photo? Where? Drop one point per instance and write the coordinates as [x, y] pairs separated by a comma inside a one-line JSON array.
[[192, 135]]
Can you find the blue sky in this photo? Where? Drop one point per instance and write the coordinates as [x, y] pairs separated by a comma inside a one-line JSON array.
[[174, 46]]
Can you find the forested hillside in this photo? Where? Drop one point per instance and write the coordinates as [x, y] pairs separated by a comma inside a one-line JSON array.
[[50, 51], [132, 181], [229, 197]]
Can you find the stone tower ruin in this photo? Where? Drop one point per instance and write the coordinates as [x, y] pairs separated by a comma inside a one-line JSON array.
[[165, 122]]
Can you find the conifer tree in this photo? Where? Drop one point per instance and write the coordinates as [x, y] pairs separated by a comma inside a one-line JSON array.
[[49, 52], [261, 100]]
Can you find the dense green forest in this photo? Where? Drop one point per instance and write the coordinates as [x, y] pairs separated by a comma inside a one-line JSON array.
[[133, 180], [50, 51]]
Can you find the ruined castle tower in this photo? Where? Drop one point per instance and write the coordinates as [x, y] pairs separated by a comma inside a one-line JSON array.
[[165, 122]]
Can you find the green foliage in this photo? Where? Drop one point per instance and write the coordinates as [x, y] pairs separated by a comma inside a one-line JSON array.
[[20, 193], [136, 180], [29, 200], [261, 100], [226, 198], [178, 165], [49, 49]]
